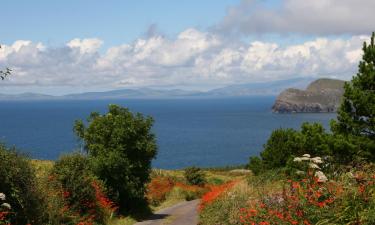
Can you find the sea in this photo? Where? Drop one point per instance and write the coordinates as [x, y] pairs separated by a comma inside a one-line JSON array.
[[190, 132]]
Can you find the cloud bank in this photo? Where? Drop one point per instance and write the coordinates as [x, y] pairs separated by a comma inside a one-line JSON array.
[[191, 59], [314, 17], [196, 59]]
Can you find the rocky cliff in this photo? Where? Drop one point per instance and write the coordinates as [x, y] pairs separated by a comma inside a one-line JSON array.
[[322, 95]]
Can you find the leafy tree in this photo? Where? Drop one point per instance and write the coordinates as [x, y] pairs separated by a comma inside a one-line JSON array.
[[120, 146], [356, 115]]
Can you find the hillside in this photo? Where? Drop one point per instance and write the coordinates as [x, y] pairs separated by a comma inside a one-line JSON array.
[[322, 95]]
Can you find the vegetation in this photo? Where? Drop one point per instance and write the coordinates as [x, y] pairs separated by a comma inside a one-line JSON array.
[[19, 187], [355, 119], [291, 187], [120, 147], [195, 176]]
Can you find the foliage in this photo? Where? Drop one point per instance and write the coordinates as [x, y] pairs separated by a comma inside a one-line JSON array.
[[120, 146], [224, 209], [18, 184], [158, 189], [345, 198], [284, 144], [355, 118], [195, 176], [214, 193], [256, 165], [80, 196]]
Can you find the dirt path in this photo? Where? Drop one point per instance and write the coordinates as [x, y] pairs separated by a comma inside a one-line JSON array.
[[184, 213]]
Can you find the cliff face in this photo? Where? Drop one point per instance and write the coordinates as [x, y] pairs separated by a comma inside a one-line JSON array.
[[323, 95]]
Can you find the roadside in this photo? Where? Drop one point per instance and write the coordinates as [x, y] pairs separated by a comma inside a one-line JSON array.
[[184, 213]]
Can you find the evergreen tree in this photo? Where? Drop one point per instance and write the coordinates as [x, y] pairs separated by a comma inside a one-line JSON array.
[[355, 119]]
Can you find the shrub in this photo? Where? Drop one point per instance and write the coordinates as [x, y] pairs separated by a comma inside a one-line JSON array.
[[81, 197], [256, 165], [18, 184], [284, 144], [195, 176], [120, 146]]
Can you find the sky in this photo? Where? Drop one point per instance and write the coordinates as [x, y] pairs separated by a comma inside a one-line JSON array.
[[70, 46]]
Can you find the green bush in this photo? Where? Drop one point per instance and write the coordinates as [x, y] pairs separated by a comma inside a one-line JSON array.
[[195, 176], [256, 165], [120, 146], [78, 189], [284, 144], [18, 183]]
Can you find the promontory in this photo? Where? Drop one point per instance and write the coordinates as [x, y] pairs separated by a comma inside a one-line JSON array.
[[322, 95]]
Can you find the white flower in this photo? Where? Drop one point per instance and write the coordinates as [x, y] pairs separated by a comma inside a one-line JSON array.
[[317, 160], [307, 155], [6, 205], [299, 172], [2, 196], [305, 158], [297, 159], [313, 166], [321, 177]]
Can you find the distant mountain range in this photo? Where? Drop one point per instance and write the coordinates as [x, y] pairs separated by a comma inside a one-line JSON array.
[[265, 88]]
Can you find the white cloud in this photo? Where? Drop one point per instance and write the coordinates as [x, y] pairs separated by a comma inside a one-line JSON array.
[[317, 17], [85, 45], [191, 59]]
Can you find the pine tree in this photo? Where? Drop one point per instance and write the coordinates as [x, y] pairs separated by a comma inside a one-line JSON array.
[[356, 115]]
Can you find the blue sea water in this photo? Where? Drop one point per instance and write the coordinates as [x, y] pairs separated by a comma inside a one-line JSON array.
[[201, 132]]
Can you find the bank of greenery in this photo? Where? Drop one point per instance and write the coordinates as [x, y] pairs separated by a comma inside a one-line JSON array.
[[311, 176]]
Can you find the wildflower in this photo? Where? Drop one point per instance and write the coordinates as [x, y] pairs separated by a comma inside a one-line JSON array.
[[297, 159], [300, 172], [305, 158], [6, 205], [306, 155], [313, 166], [317, 160], [321, 177], [2, 196]]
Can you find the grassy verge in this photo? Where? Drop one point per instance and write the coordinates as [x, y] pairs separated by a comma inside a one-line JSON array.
[[177, 189], [347, 197]]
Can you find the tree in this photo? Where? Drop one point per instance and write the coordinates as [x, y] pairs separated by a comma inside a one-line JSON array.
[[356, 114], [120, 147], [5, 73]]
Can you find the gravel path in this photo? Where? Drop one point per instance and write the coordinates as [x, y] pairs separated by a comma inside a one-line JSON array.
[[184, 213]]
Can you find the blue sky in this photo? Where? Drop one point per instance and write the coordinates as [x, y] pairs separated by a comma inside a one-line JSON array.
[[59, 47], [113, 21]]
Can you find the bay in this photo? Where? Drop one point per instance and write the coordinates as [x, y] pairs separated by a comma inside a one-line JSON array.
[[200, 132]]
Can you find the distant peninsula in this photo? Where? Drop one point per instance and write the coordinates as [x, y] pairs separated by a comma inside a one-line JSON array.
[[322, 95]]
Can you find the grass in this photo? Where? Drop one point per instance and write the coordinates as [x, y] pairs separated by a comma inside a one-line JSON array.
[[215, 176], [273, 198]]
